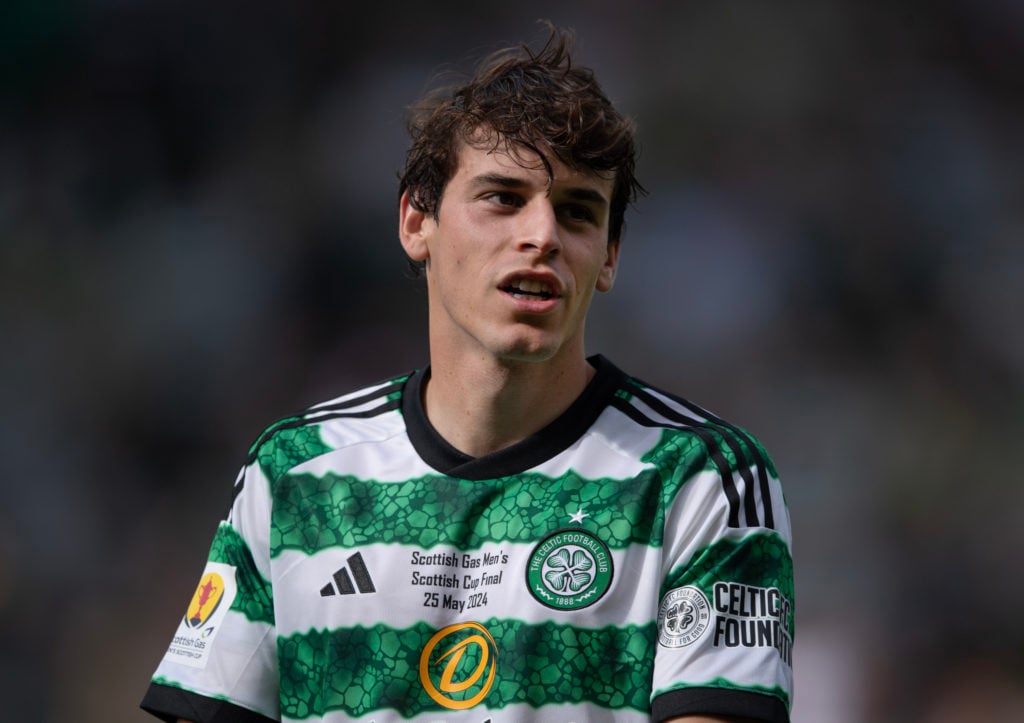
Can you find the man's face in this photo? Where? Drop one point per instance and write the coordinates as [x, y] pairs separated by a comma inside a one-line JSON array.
[[513, 257]]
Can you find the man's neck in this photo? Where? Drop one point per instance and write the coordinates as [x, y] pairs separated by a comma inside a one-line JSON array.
[[483, 407]]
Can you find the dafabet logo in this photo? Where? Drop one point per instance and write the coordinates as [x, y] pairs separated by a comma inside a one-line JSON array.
[[458, 664]]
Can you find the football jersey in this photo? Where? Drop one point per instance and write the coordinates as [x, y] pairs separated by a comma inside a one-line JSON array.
[[629, 562]]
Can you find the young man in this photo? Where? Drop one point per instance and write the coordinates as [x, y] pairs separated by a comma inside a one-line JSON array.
[[517, 532]]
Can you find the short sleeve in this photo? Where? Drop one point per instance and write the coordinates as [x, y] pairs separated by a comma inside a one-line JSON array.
[[221, 662], [725, 618]]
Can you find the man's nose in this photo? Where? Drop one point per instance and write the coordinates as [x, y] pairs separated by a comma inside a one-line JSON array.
[[540, 231]]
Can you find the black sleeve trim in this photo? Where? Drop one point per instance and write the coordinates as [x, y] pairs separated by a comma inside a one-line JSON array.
[[718, 701], [169, 704]]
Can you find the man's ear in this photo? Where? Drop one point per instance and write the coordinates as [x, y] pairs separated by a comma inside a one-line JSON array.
[[414, 227], [606, 277]]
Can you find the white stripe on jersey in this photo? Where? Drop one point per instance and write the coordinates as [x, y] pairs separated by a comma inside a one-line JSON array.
[[399, 601]]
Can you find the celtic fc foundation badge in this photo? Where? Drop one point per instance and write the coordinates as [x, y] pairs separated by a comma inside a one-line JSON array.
[[569, 570], [683, 617]]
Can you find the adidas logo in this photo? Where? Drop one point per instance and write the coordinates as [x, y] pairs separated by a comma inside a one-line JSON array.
[[342, 581]]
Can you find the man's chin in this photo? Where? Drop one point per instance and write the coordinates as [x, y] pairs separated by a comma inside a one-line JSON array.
[[529, 351], [526, 344]]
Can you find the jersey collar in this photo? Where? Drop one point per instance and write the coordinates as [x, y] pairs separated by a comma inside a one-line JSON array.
[[532, 451]]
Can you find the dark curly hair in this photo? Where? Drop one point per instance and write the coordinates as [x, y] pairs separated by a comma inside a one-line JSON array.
[[519, 99]]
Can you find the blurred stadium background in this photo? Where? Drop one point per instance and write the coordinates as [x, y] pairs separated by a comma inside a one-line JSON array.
[[197, 235]]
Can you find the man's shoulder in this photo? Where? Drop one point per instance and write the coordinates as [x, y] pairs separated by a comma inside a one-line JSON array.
[[651, 405], [366, 401], [679, 419], [693, 440], [302, 435]]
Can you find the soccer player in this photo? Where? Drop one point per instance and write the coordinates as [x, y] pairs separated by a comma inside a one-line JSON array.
[[516, 532]]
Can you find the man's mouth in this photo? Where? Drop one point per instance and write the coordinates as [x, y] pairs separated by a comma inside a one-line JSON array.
[[529, 289]]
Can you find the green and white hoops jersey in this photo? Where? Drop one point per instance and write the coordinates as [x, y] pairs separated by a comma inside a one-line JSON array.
[[630, 562]]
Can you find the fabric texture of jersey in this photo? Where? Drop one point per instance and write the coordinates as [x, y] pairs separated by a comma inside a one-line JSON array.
[[629, 562]]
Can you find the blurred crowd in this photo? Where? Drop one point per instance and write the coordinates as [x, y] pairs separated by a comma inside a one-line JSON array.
[[198, 235]]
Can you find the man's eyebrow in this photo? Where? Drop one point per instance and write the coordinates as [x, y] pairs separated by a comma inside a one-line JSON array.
[[591, 195], [498, 179]]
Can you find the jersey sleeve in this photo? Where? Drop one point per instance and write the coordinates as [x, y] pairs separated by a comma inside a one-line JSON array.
[[725, 618], [221, 664]]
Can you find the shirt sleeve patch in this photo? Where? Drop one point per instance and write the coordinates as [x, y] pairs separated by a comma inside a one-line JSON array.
[[204, 617]]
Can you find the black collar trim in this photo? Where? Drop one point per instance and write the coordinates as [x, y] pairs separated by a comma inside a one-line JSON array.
[[532, 451]]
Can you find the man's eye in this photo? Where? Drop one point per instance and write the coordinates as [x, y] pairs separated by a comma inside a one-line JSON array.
[[503, 198], [578, 212]]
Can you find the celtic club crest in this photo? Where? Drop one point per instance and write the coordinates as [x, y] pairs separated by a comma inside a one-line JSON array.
[[569, 570]]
